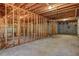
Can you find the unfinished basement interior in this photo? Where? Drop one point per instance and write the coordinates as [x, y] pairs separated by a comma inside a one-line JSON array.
[[39, 29]]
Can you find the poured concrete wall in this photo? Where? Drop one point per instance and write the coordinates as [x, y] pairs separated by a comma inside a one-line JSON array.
[[67, 27]]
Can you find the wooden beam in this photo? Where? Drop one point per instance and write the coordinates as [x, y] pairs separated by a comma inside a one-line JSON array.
[[61, 10], [28, 8], [58, 7], [35, 7], [21, 9], [38, 8], [45, 9]]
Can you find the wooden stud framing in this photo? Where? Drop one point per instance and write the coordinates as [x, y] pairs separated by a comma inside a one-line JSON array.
[[46, 28], [37, 26], [5, 35], [40, 25], [18, 27], [13, 28], [34, 25], [31, 26], [28, 26], [24, 27], [43, 26]]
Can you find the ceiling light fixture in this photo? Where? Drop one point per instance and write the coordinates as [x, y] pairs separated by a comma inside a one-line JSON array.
[[64, 19], [49, 7]]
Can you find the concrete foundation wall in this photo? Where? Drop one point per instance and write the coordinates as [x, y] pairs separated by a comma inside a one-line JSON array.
[[67, 27]]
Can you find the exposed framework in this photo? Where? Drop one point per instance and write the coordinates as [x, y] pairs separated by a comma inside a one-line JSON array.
[[21, 26]]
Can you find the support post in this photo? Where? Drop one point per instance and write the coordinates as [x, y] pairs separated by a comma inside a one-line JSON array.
[[5, 35], [18, 32], [13, 28], [24, 28]]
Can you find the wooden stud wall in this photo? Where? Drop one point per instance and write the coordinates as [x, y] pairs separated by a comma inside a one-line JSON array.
[[22, 26]]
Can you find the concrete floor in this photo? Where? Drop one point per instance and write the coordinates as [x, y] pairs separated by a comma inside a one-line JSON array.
[[59, 45]]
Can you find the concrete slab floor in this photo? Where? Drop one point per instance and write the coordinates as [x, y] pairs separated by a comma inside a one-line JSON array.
[[57, 45]]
